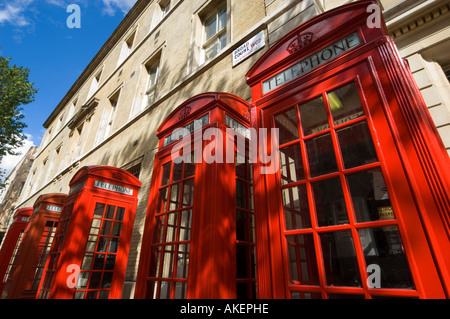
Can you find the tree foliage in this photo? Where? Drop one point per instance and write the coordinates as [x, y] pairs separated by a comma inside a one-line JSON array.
[[15, 91]]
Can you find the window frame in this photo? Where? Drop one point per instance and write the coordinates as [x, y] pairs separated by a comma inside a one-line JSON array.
[[215, 39]]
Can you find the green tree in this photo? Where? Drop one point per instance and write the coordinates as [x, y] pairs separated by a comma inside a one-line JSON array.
[[15, 91]]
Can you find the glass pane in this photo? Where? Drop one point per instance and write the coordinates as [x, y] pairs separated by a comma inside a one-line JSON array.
[[91, 243], [287, 125], [168, 261], [180, 290], [99, 261], [245, 261], [79, 295], [346, 296], [110, 212], [94, 283], [177, 171], [189, 168], [339, 256], [210, 27], [87, 262], [241, 194], [385, 258], [155, 262], [165, 290], [99, 208], [107, 280], [91, 295], [356, 145], [95, 226], [222, 41], [222, 18], [113, 245], [302, 260], [104, 294], [330, 203], [102, 244], [83, 278], [159, 229], [322, 159], [188, 193], [120, 213], [296, 208], [305, 295], [291, 165], [314, 116], [161, 205], [185, 227], [106, 229], [345, 104], [211, 50], [370, 197], [172, 227], [166, 173], [242, 226], [110, 262], [183, 261], [174, 197]]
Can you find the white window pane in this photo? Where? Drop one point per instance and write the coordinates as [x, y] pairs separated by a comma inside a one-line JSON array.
[[222, 19], [210, 28], [211, 50], [223, 41]]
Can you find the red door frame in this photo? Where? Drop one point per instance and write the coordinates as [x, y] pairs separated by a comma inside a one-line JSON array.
[[422, 156], [46, 210], [212, 256], [72, 236], [12, 241]]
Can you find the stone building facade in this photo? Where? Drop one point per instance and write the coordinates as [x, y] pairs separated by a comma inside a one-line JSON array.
[[166, 51]]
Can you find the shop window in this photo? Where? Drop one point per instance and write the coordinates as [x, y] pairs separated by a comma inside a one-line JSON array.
[[214, 32]]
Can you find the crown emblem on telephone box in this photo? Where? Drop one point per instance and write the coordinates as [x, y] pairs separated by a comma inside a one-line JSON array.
[[301, 41]]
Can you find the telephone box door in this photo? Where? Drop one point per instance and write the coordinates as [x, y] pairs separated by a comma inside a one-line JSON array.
[[101, 273], [348, 222]]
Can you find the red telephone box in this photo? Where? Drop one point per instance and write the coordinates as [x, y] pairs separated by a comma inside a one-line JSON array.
[[11, 243], [32, 254], [198, 239], [360, 205], [90, 252]]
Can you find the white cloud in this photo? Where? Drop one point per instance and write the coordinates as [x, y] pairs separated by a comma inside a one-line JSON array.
[[9, 161], [112, 5], [13, 13]]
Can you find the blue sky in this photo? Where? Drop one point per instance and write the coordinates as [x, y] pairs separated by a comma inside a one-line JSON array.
[[35, 34]]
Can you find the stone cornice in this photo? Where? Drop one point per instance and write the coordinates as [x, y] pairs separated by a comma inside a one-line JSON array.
[[401, 21]]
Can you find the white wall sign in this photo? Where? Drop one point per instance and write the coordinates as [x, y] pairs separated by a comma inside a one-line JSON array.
[[249, 48], [113, 188]]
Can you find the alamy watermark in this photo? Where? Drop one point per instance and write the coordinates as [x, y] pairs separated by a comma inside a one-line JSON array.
[[74, 19], [221, 146]]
